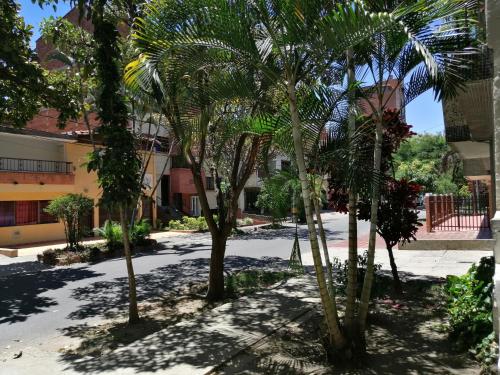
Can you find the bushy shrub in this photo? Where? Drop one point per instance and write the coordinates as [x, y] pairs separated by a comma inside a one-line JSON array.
[[470, 307], [189, 223], [48, 257], [71, 209], [140, 232], [245, 221], [112, 232]]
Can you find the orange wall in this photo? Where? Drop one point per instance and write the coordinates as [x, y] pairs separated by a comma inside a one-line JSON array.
[[39, 178], [84, 183]]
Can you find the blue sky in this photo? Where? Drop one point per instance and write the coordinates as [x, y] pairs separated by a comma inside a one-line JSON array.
[[423, 113]]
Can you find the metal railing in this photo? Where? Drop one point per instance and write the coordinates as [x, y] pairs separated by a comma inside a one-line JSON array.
[[457, 133], [452, 213], [31, 165]]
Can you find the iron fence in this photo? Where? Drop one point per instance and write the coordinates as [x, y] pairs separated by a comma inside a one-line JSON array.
[[32, 165]]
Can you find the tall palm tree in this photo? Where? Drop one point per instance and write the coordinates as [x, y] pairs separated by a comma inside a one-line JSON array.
[[217, 114], [292, 43], [424, 56]]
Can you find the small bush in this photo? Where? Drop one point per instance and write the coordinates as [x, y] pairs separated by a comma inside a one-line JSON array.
[[340, 274], [245, 221], [71, 210], [250, 280], [470, 313], [112, 233], [140, 232], [189, 223], [48, 257]]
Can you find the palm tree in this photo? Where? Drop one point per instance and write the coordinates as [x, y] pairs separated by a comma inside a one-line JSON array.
[[423, 56], [217, 114], [292, 43]]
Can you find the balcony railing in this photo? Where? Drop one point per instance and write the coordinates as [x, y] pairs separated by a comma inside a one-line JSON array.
[[477, 66], [457, 133], [31, 165]]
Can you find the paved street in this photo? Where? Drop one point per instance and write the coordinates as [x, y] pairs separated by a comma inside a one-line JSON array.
[[42, 306]]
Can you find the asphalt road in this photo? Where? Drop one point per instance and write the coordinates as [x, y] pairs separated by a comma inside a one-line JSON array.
[[40, 305]]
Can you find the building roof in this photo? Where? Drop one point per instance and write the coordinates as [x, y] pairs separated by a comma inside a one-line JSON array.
[[37, 133]]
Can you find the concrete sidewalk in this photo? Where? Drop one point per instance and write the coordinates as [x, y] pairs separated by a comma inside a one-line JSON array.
[[190, 347]]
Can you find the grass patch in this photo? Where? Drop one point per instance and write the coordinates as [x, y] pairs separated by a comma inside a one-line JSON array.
[[248, 281]]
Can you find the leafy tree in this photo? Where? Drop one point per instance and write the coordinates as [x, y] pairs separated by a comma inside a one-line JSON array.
[[429, 161], [75, 48], [277, 195], [117, 163], [24, 85], [416, 58], [216, 113], [71, 209], [397, 218]]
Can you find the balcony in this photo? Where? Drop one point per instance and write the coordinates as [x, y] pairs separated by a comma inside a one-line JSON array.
[[30, 171], [472, 108]]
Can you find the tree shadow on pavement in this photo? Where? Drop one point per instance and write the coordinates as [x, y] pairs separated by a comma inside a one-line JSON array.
[[21, 292], [21, 267], [109, 299], [206, 340], [286, 232]]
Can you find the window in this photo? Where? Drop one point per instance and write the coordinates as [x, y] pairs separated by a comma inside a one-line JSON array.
[[7, 214], [45, 218], [195, 206], [209, 182], [285, 165], [26, 212]]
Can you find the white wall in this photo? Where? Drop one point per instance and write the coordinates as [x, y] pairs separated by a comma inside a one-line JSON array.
[[24, 147]]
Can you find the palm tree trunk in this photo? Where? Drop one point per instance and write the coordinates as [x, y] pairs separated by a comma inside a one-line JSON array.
[[367, 284], [335, 335], [394, 269], [133, 313], [329, 268], [352, 271]]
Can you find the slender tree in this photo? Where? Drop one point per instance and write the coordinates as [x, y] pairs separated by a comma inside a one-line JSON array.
[[117, 163]]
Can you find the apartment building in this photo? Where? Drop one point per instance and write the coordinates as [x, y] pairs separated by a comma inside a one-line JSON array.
[[42, 161], [38, 166]]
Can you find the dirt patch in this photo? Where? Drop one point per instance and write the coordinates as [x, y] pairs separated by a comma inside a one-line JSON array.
[[406, 335], [155, 315]]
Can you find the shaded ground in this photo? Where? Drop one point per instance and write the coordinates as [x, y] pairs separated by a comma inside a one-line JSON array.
[[160, 312], [405, 336]]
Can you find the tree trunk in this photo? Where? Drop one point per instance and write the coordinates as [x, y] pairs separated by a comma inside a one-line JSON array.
[[329, 269], [352, 271], [394, 269], [133, 313], [216, 277], [367, 284], [335, 335]]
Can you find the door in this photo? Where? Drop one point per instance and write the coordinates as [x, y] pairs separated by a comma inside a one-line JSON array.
[[165, 190], [195, 206]]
